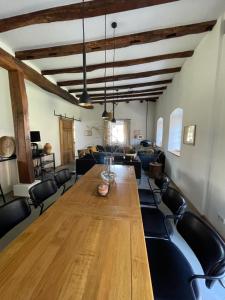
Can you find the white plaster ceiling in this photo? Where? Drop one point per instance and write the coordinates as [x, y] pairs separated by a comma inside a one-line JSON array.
[[160, 16]]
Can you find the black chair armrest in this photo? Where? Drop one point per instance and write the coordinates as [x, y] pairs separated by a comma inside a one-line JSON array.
[[206, 277]]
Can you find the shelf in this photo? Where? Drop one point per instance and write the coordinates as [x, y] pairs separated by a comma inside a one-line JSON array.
[[2, 159]]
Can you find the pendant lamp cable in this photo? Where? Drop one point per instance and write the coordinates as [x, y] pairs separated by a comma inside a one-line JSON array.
[[84, 53], [114, 58], [105, 66]]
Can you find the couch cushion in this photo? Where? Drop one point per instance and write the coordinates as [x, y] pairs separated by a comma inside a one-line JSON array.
[[170, 271]]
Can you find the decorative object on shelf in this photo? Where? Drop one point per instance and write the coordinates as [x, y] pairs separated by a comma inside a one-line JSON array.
[[47, 148], [7, 146], [114, 25], [105, 114], [85, 99], [189, 134], [107, 175], [34, 138], [103, 189], [64, 116]]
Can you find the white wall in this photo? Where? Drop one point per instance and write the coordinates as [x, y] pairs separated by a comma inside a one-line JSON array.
[[196, 171], [8, 169], [41, 113], [135, 111]]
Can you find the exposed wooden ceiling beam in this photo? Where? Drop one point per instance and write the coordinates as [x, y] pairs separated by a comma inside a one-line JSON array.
[[10, 63], [114, 96], [153, 99], [124, 87], [120, 77], [75, 11], [121, 41], [133, 92], [119, 64]]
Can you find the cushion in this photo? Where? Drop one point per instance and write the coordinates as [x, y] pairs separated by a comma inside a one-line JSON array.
[[170, 271], [153, 222], [146, 197]]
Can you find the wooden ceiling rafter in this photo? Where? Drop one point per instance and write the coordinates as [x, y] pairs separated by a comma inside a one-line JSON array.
[[131, 95], [120, 77], [119, 64], [121, 41], [10, 63], [133, 92], [152, 99], [123, 87], [75, 11]]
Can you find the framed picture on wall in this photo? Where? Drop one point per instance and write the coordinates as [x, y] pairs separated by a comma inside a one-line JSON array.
[[189, 134]]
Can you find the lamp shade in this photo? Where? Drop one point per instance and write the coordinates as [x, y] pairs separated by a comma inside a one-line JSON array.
[[105, 115], [113, 120], [85, 99]]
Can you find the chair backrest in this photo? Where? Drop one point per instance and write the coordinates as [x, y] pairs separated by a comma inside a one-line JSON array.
[[84, 165], [174, 201], [41, 191], [13, 213], [206, 243], [162, 182], [62, 176]]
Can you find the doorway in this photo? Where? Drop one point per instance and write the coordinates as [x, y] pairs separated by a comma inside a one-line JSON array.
[[67, 143]]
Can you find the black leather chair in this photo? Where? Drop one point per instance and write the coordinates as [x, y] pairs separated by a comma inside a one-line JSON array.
[[150, 197], [12, 213], [156, 224], [171, 273], [62, 177], [207, 245], [41, 192], [84, 165]]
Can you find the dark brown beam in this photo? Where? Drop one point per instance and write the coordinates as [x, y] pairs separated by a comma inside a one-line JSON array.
[[153, 99], [119, 64], [124, 87], [120, 77], [121, 41], [133, 92], [75, 11], [21, 126], [126, 96], [10, 63]]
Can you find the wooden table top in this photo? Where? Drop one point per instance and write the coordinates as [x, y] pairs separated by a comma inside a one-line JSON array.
[[83, 247]]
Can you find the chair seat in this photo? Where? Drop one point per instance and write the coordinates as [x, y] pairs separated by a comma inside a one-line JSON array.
[[170, 271], [154, 224], [147, 198]]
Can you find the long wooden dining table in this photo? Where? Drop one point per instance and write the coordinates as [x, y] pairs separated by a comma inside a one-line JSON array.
[[83, 247]]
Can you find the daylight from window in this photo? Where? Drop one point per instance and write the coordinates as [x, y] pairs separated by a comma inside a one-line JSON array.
[[175, 131], [159, 132]]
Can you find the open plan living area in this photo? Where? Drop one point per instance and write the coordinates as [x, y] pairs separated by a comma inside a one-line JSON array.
[[112, 150]]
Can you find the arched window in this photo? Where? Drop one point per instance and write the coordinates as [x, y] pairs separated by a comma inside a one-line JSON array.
[[175, 131], [159, 132]]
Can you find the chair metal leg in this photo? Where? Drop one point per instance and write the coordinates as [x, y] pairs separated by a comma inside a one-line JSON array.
[[42, 207], [1, 191]]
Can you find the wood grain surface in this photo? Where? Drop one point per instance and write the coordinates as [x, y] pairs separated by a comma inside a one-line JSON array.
[[83, 247]]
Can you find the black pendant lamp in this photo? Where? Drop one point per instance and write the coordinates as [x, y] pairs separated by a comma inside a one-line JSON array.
[[105, 114], [85, 99], [114, 25]]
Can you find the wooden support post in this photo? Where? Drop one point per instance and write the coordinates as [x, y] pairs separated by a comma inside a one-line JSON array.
[[21, 126]]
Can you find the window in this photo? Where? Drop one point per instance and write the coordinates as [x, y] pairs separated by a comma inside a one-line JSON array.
[[117, 133], [159, 132], [175, 131]]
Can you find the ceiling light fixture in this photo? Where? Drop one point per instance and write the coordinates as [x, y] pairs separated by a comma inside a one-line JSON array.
[[105, 114], [85, 99], [114, 25]]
